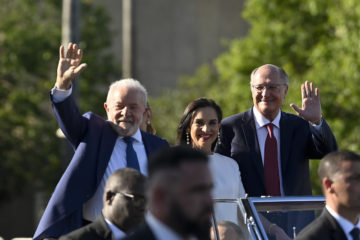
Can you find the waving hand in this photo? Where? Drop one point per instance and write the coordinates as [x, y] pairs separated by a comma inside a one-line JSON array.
[[311, 107], [69, 66]]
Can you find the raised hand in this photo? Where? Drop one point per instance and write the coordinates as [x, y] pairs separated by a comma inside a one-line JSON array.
[[311, 107], [69, 66]]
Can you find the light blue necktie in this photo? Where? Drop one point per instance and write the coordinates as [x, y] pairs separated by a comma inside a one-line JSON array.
[[131, 157]]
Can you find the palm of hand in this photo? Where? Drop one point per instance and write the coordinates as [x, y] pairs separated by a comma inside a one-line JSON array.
[[67, 67], [311, 107]]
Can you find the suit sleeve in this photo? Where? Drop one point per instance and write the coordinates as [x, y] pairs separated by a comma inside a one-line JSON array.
[[71, 122], [323, 141]]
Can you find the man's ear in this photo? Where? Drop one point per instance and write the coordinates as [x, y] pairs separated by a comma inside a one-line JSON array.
[[286, 90], [106, 107], [328, 185]]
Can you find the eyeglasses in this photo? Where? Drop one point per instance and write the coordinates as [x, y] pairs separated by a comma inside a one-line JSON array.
[[137, 200], [270, 87]]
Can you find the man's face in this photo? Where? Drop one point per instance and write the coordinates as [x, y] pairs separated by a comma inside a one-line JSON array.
[[346, 187], [268, 91], [128, 211], [191, 204], [125, 108]]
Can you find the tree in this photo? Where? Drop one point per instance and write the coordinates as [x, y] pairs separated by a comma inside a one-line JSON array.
[[29, 40], [313, 40]]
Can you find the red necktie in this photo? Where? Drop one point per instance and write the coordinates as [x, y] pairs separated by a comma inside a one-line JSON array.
[[271, 169]]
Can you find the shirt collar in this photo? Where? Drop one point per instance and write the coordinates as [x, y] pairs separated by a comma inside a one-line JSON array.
[[261, 121], [137, 136], [117, 233], [160, 230], [345, 224]]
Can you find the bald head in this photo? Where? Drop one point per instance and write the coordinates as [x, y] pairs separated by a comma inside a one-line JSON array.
[[123, 179], [269, 85], [124, 198], [271, 70]]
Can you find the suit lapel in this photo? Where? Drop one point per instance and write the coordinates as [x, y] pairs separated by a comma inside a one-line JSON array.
[[337, 232], [147, 146], [103, 229], [108, 140], [250, 133]]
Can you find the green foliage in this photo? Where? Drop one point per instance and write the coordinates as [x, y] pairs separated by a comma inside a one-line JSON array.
[[102, 68], [30, 36], [313, 40]]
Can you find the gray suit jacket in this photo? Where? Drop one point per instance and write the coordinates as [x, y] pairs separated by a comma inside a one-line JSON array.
[[324, 227]]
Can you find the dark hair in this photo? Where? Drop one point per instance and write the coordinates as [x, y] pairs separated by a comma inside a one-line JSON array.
[[186, 119], [330, 164], [149, 127], [172, 157]]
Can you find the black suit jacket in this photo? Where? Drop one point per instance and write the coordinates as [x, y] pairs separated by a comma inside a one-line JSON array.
[[324, 227], [143, 232], [299, 141], [96, 230]]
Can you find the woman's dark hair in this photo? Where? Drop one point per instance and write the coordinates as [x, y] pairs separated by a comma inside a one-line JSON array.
[[187, 118]]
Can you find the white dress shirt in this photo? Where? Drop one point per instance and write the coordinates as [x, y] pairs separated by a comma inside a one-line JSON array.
[[262, 132], [345, 224], [92, 208]]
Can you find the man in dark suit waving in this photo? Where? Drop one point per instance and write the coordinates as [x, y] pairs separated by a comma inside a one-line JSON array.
[[339, 173], [101, 147], [272, 147]]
